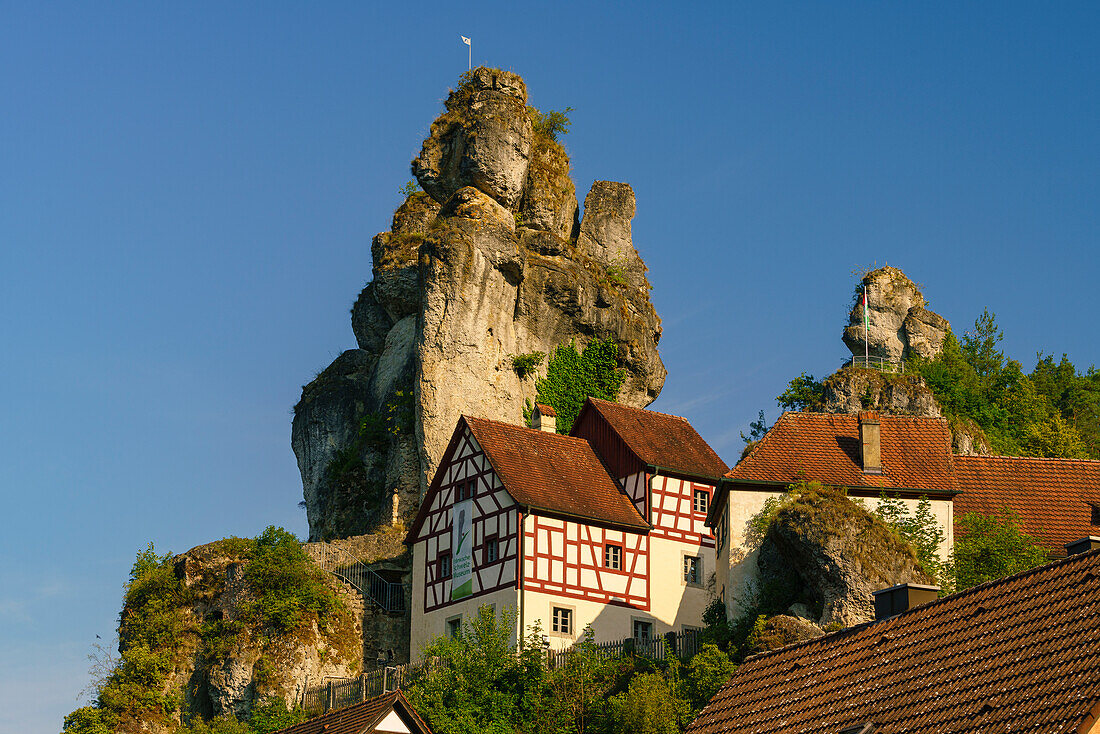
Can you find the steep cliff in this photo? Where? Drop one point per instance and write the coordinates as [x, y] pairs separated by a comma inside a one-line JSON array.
[[899, 324], [487, 263]]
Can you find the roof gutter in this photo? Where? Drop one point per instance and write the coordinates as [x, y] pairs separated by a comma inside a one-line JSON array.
[[659, 470], [533, 509]]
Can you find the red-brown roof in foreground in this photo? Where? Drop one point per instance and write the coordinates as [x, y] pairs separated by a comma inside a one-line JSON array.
[[554, 473], [360, 717], [663, 440], [1053, 497], [1017, 655], [916, 453]]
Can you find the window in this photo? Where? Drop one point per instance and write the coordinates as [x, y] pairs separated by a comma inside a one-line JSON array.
[[454, 626], [491, 550], [693, 570], [1096, 514], [613, 556], [643, 629], [464, 490], [720, 533], [702, 501], [562, 621], [445, 566]]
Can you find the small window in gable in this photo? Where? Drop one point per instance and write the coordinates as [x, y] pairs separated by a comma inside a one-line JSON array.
[[613, 557]]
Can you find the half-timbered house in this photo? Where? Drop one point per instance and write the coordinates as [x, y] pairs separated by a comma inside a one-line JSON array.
[[539, 522]]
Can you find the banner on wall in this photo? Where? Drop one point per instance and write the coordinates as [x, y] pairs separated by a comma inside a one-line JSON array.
[[462, 557]]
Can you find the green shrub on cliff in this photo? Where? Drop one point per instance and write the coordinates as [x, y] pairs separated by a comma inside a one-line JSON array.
[[573, 376]]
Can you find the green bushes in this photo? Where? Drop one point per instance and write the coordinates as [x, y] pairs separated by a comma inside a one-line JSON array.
[[551, 123], [484, 684], [990, 547], [286, 584]]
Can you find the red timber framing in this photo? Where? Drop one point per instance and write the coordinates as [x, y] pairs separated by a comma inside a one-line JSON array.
[[496, 517], [673, 513], [566, 559], [665, 502]]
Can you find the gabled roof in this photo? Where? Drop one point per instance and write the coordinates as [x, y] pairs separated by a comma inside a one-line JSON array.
[[361, 717], [825, 447], [1021, 654], [1053, 497], [553, 473], [659, 439]]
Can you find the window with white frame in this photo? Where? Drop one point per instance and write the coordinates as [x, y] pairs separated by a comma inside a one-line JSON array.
[[613, 556], [561, 620], [702, 501]]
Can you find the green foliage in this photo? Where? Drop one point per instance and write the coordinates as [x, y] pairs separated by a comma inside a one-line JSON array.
[[707, 671], [616, 273], [271, 715], [90, 720], [1052, 412], [920, 530], [758, 524], [526, 364], [411, 187], [220, 725], [716, 625], [989, 547], [286, 583], [648, 706], [573, 376], [757, 429], [551, 123], [483, 684], [803, 393]]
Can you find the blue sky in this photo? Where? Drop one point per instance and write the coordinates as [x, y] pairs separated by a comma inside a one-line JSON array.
[[188, 192]]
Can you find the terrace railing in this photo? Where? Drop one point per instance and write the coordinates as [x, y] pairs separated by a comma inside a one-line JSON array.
[[882, 364], [388, 595]]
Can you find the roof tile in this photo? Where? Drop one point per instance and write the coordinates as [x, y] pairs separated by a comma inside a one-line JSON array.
[[663, 440], [1021, 654], [555, 473], [1053, 497], [916, 453]]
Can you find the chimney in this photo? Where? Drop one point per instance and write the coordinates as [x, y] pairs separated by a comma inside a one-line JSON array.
[[870, 442], [1084, 545], [902, 598], [543, 418]]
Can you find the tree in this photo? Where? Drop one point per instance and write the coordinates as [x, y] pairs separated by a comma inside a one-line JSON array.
[[648, 706], [990, 547], [803, 393], [550, 123], [757, 429], [707, 672]]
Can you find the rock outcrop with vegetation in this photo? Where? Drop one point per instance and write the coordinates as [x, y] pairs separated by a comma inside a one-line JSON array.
[[823, 550], [482, 272], [220, 631]]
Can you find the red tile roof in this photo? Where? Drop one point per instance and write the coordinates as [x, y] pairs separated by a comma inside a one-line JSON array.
[[659, 439], [916, 453], [1021, 654], [360, 717], [554, 473], [1053, 497]]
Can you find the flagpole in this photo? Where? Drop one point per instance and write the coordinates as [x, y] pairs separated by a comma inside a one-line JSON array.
[[866, 331], [470, 56]]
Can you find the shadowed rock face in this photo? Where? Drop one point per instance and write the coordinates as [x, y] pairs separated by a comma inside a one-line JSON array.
[[488, 262]]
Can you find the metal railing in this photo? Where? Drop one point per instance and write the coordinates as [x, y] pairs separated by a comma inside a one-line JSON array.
[[388, 595], [882, 364], [684, 645], [338, 693]]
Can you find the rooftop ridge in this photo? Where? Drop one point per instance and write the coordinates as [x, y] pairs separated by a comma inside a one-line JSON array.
[[1012, 457], [644, 410], [518, 427], [950, 598], [855, 416]]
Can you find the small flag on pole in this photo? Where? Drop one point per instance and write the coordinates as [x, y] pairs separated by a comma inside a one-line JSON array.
[[866, 312], [470, 50]]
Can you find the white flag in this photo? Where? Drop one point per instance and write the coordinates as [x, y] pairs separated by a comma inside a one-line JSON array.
[[465, 40]]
